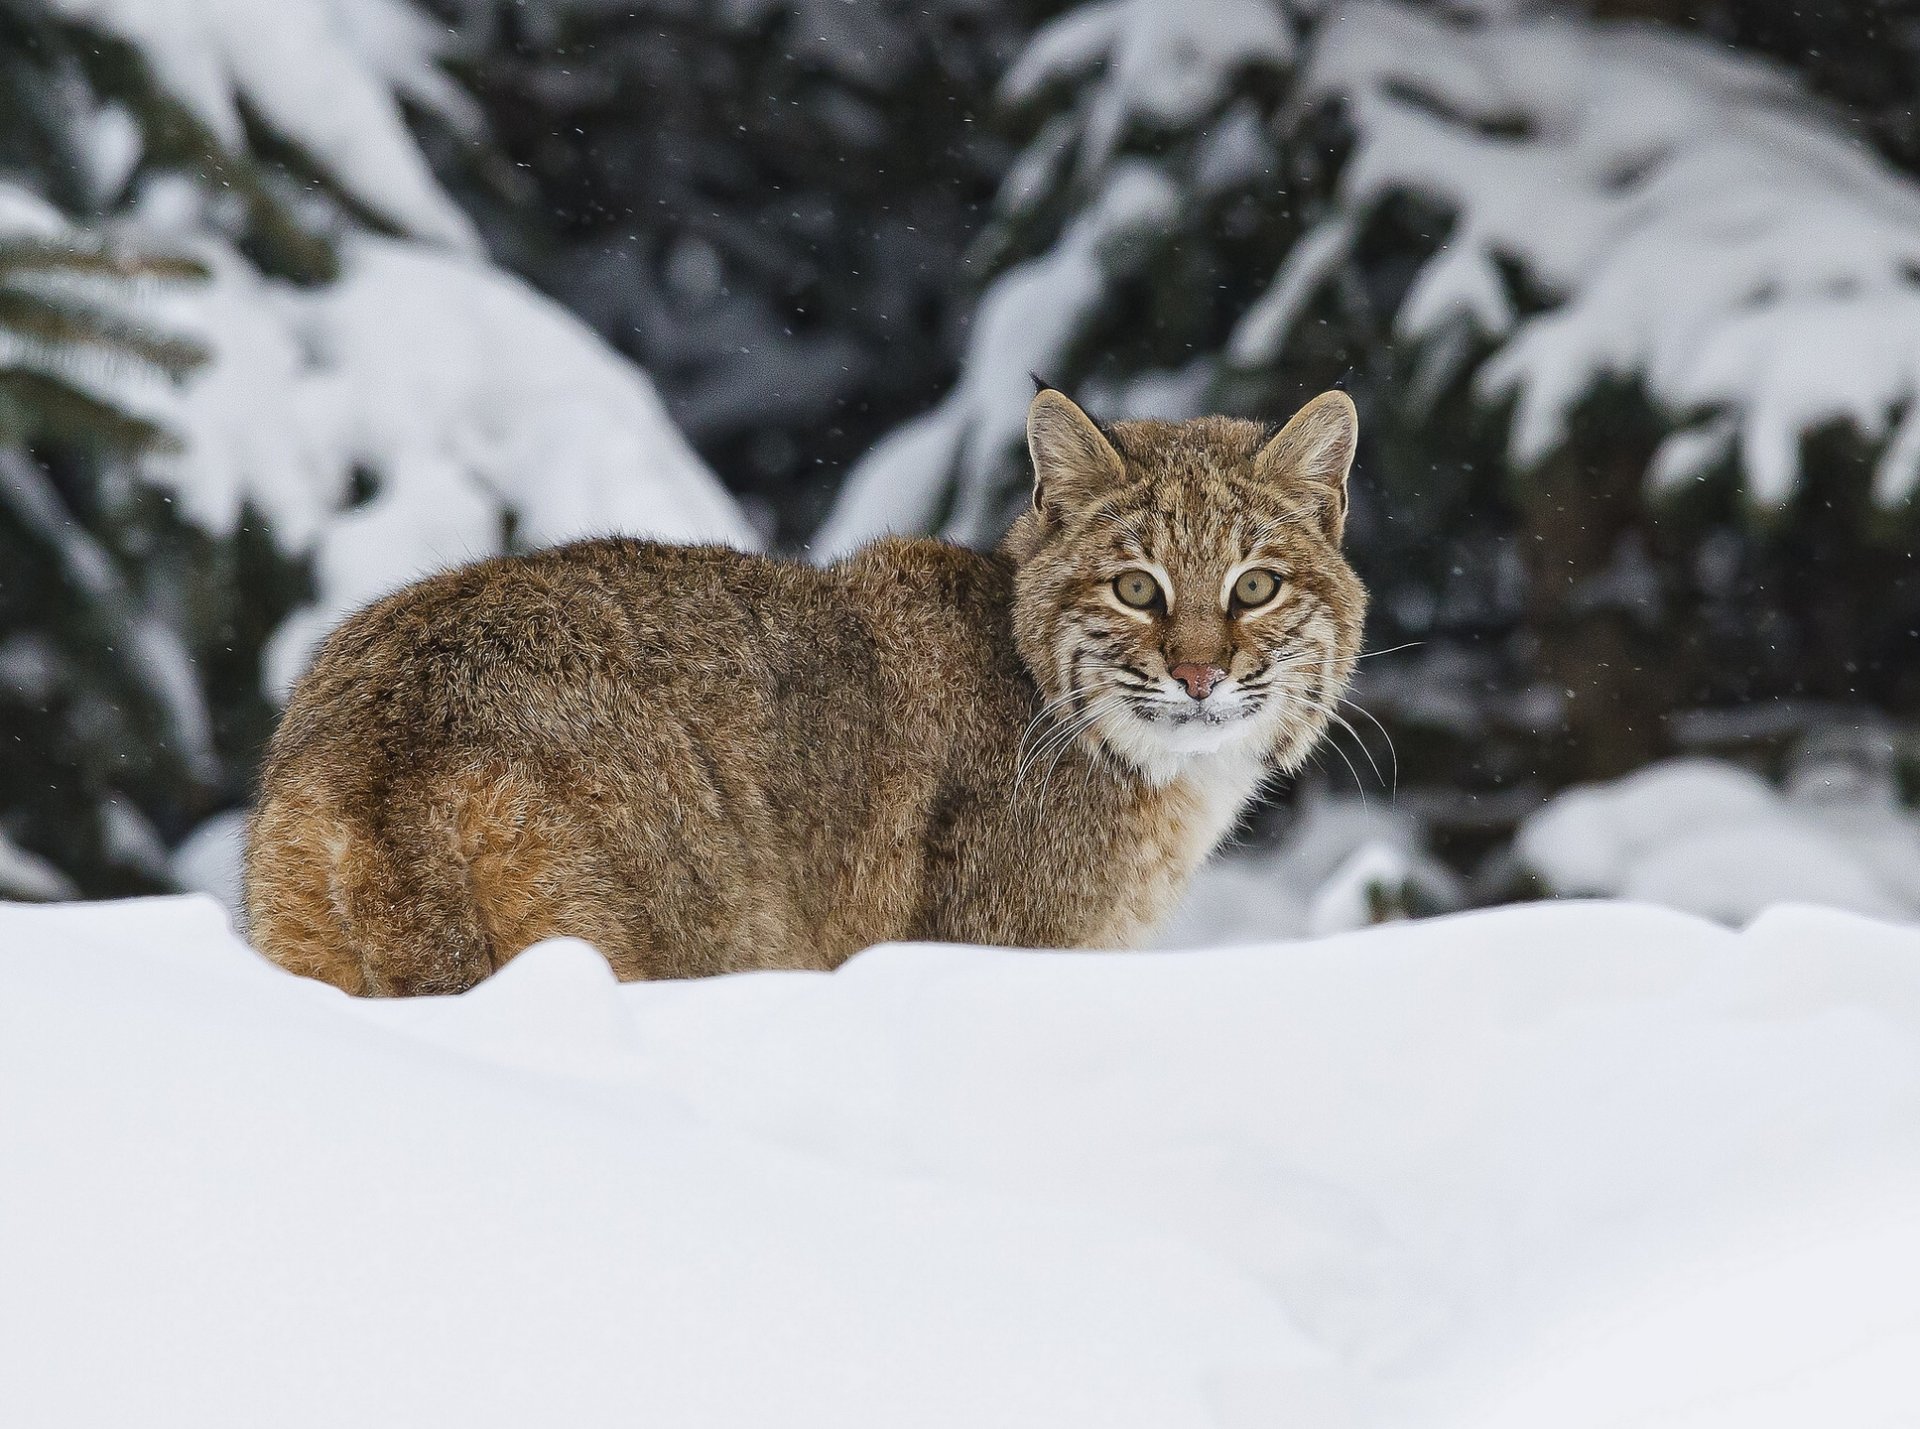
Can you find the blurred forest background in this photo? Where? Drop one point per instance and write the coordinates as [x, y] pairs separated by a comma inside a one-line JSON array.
[[302, 298]]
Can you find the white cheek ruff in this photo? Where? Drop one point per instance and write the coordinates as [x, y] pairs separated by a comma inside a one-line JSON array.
[[1163, 749], [1197, 736]]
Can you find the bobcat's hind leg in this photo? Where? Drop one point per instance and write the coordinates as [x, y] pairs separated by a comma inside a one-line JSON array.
[[465, 872], [328, 899], [297, 847], [531, 868]]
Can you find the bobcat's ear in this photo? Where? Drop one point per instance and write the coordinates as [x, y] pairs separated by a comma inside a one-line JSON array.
[[1072, 459], [1314, 453]]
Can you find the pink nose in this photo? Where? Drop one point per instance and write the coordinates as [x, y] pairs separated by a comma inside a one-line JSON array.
[[1199, 679]]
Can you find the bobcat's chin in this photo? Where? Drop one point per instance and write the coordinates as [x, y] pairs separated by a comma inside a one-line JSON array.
[[1165, 741], [1202, 731]]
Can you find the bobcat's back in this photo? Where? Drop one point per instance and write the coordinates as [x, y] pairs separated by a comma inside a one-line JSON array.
[[679, 754]]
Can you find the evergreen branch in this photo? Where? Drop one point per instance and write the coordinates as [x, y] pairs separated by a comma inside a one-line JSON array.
[[58, 320], [157, 657], [82, 255], [39, 405]]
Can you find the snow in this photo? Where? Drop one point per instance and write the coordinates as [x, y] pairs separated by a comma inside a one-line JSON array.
[[212, 860], [1342, 863], [1310, 263], [24, 214], [1695, 220], [329, 75], [131, 840], [156, 657], [1712, 839], [1024, 323], [1158, 65], [27, 875], [1067, 47], [1578, 1164], [1685, 219], [86, 366], [463, 394], [1164, 64], [473, 413]]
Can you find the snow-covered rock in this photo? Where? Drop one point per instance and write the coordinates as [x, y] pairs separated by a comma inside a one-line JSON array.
[[1581, 1165]]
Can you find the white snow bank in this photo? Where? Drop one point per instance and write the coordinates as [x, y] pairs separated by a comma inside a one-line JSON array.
[[1712, 839], [1579, 1165]]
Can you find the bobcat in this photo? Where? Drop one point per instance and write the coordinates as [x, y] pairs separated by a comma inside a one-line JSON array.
[[702, 761]]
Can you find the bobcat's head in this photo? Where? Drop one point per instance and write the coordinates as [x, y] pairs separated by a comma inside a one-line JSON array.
[[1180, 589]]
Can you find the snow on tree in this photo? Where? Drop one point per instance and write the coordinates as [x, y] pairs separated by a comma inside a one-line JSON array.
[[69, 311], [764, 202], [1626, 203], [1088, 215], [72, 317], [1025, 323], [328, 76], [420, 410], [1683, 290], [1674, 215]]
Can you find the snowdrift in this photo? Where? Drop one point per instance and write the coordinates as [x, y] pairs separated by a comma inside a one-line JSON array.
[[1567, 1164]]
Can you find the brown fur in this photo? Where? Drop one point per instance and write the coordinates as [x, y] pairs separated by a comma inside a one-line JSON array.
[[703, 761]]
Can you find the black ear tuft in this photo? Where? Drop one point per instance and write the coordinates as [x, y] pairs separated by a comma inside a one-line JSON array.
[[1040, 384]]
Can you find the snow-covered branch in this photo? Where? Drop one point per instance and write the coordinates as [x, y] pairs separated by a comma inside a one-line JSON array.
[[1692, 219]]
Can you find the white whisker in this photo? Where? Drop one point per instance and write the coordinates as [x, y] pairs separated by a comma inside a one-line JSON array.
[[1391, 650]]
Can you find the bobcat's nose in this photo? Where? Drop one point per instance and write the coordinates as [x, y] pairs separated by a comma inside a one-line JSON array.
[[1199, 679]]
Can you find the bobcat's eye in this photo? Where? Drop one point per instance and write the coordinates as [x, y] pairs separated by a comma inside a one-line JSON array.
[[1136, 589], [1255, 588]]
